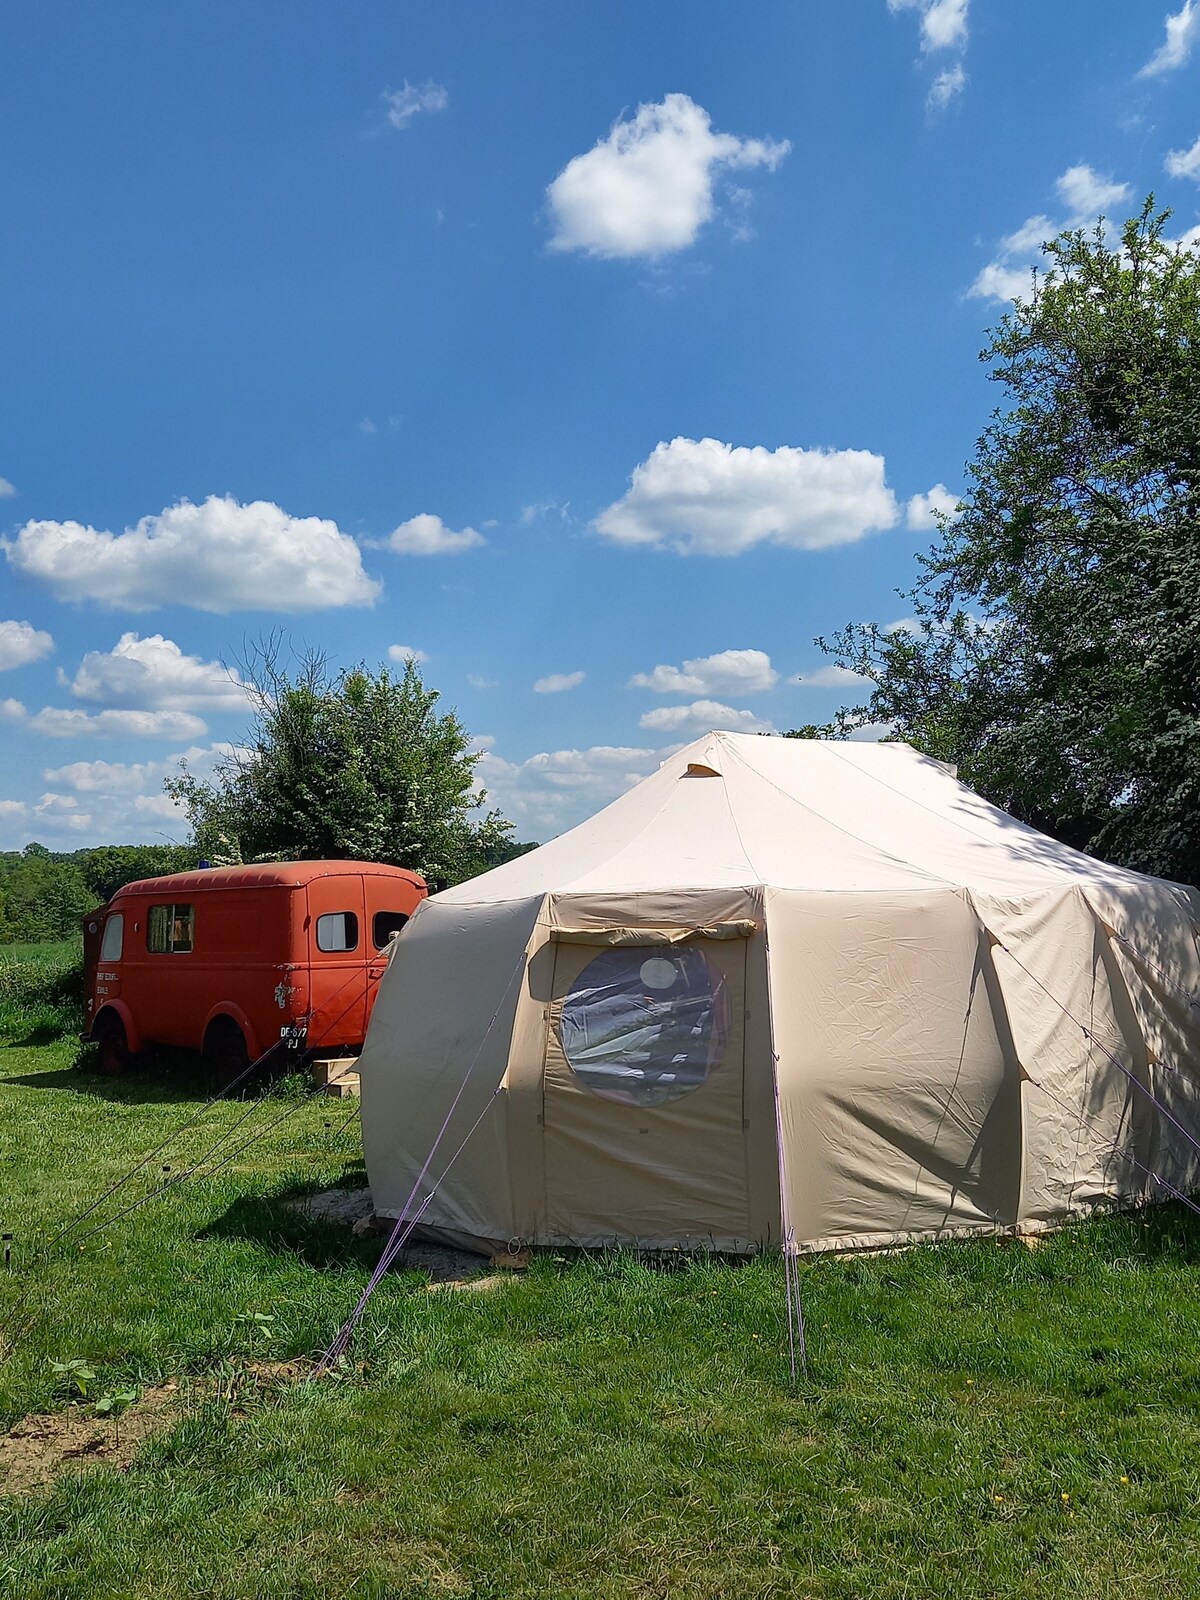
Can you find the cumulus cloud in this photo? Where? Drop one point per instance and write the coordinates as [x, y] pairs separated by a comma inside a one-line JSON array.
[[153, 673], [405, 653], [829, 677], [1183, 29], [21, 643], [555, 789], [12, 808], [945, 87], [1184, 163], [557, 682], [1085, 193], [114, 778], [120, 801], [219, 556], [727, 672], [699, 496], [6, 489], [647, 188], [63, 723], [402, 105], [943, 22], [700, 717], [427, 535], [925, 509]]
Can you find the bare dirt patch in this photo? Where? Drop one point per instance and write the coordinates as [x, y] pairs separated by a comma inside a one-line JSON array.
[[38, 1448]]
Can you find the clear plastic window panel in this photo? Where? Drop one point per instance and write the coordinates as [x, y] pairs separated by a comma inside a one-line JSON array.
[[113, 940], [646, 1025], [337, 931]]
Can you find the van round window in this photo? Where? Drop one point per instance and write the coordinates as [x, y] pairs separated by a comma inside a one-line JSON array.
[[386, 923], [114, 937], [646, 1024], [337, 930]]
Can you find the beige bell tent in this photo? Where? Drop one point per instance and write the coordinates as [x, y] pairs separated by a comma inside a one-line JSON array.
[[786, 989]]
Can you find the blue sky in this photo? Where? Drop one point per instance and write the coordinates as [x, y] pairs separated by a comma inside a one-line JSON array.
[[613, 349]]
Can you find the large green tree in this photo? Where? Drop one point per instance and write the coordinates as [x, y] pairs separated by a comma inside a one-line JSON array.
[[356, 764], [1053, 646]]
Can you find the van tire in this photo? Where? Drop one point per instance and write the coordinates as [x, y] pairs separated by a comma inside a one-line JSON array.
[[113, 1055], [225, 1054]]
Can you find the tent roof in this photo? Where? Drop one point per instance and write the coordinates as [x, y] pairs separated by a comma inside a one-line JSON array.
[[740, 810]]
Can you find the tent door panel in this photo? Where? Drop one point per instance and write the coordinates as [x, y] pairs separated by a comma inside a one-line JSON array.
[[643, 1095]]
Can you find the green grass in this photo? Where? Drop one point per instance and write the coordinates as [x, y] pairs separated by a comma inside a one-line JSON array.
[[41, 991], [980, 1420]]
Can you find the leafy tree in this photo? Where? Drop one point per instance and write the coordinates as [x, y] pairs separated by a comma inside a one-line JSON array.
[[356, 765], [1053, 651]]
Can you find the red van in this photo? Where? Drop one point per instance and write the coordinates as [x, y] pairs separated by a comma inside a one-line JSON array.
[[233, 960]]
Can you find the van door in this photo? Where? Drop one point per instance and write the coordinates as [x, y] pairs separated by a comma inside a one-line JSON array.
[[643, 1094], [103, 946], [338, 948]]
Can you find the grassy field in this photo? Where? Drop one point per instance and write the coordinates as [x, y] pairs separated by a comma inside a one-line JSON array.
[[980, 1420]]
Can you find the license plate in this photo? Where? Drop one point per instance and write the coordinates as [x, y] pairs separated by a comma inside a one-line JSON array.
[[293, 1036]]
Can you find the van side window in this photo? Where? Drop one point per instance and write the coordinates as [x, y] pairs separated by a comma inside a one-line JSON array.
[[337, 930], [170, 930], [114, 937], [385, 925]]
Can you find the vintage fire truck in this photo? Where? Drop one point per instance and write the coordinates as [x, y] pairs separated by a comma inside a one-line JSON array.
[[235, 960]]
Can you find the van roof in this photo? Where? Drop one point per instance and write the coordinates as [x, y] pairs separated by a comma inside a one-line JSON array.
[[264, 874]]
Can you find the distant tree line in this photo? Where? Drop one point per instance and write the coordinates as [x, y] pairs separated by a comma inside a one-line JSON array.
[[44, 894]]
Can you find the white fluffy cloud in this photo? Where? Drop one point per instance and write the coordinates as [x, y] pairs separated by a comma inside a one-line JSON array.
[[427, 535], [647, 189], [829, 677], [555, 789], [924, 509], [6, 489], [1184, 163], [700, 717], [61, 723], [405, 653], [557, 682], [727, 672], [1085, 193], [107, 801], [945, 86], [943, 22], [154, 674], [699, 496], [402, 105], [21, 643], [219, 556], [1183, 29]]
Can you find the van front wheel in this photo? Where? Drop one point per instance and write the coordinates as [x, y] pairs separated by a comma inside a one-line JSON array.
[[113, 1056], [225, 1054]]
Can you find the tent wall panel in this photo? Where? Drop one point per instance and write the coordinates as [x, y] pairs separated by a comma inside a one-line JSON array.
[[900, 1105]]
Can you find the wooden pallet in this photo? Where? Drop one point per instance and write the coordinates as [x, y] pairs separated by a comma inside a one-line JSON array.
[[336, 1075]]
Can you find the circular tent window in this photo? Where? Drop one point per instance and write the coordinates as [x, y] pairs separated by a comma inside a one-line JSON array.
[[646, 1025]]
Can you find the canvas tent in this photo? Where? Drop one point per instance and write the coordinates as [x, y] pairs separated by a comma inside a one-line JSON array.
[[786, 988]]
